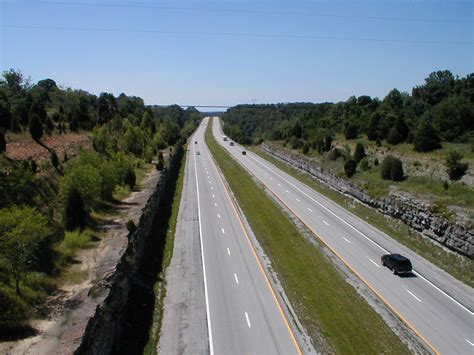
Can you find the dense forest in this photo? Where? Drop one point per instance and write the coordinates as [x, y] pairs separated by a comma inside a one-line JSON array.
[[442, 109], [46, 207]]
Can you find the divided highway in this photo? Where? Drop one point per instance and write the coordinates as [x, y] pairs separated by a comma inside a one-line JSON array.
[[432, 303], [243, 315]]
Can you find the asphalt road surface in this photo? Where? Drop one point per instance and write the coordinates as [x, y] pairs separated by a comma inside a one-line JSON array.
[[242, 312], [431, 302]]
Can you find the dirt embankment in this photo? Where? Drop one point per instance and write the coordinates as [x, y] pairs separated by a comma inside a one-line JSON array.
[[22, 146], [73, 304]]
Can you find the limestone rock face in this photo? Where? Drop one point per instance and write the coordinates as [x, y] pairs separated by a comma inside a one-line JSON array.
[[416, 215]]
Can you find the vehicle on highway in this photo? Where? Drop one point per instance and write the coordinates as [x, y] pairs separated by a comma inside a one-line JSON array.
[[195, 142], [397, 263], [198, 153], [225, 139], [232, 143], [244, 152]]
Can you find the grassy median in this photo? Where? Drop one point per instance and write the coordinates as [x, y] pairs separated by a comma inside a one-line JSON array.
[[325, 303], [458, 266]]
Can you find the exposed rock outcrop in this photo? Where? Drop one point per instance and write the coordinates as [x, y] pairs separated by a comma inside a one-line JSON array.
[[416, 215]]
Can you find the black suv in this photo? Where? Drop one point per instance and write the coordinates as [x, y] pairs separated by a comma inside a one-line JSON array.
[[397, 263]]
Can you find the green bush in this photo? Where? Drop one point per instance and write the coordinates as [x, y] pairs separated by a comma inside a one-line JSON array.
[[54, 159], [3, 142], [74, 211], [364, 164], [392, 169], [351, 131], [426, 138], [13, 308], [350, 167], [75, 240], [455, 168], [305, 149], [131, 227], [35, 127], [22, 233], [334, 154], [86, 180], [359, 152]]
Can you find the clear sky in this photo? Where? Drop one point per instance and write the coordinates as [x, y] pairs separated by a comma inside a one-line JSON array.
[[230, 52]]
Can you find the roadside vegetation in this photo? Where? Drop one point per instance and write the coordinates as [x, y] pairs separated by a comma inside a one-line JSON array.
[[52, 207], [428, 135], [317, 290], [458, 266], [160, 285]]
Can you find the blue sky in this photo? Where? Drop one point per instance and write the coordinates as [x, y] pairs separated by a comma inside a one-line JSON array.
[[230, 52]]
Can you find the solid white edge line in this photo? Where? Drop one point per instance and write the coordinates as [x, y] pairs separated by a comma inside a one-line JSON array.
[[248, 320], [362, 234], [208, 312], [411, 293]]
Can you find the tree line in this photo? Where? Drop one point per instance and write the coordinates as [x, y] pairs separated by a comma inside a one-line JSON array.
[[45, 205], [441, 109]]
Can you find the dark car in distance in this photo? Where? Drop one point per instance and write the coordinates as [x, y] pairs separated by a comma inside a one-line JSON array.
[[397, 263], [244, 152]]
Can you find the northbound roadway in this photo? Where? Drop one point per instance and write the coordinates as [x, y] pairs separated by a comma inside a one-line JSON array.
[[432, 303]]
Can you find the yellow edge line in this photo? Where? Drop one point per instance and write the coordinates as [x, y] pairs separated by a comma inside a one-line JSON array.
[[256, 257], [354, 271]]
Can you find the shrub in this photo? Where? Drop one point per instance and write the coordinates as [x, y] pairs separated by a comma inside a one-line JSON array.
[[295, 143], [74, 212], [35, 127], [334, 154], [364, 164], [350, 167], [351, 131], [392, 169], [455, 168], [54, 159], [131, 227], [397, 170], [359, 152], [3, 142], [73, 241], [376, 162], [426, 138], [305, 149], [130, 178], [22, 232], [86, 180], [159, 165], [445, 185]]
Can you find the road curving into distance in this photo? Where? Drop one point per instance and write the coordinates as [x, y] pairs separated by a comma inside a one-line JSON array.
[[437, 307]]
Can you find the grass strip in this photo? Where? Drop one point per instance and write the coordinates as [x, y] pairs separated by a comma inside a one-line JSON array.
[[160, 285], [458, 266], [325, 303]]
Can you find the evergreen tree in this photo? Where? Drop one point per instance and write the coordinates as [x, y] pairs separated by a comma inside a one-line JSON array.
[[426, 138], [350, 167], [3, 142], [399, 132], [74, 215], [455, 168], [359, 152], [35, 127]]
